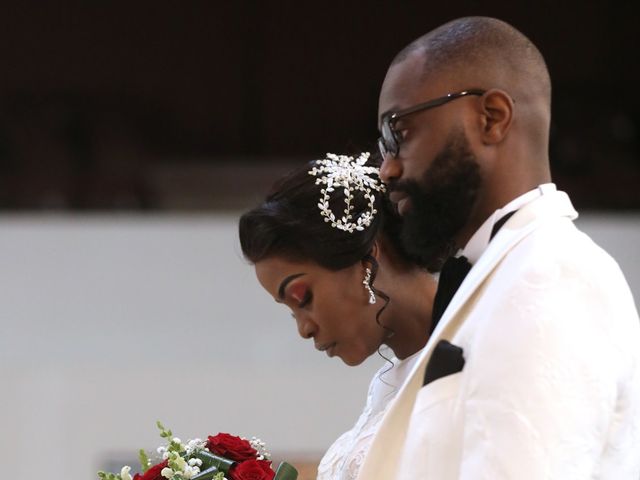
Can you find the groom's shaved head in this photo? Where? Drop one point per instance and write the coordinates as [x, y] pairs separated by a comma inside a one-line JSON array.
[[483, 52], [456, 164]]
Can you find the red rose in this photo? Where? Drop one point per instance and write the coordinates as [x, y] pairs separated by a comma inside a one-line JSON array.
[[233, 448], [252, 470], [153, 473]]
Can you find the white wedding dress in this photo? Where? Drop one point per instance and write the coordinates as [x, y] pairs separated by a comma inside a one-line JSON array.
[[343, 459]]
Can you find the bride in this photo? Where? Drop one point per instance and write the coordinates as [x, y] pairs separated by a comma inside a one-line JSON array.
[[325, 243]]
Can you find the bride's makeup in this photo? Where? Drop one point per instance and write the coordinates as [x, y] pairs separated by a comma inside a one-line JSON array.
[[297, 292], [300, 293], [285, 283]]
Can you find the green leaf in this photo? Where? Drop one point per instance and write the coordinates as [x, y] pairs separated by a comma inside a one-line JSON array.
[[286, 472], [164, 433], [145, 463], [208, 474], [211, 460], [108, 476]]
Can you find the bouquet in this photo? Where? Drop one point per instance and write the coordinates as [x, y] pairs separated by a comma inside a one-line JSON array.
[[220, 457]]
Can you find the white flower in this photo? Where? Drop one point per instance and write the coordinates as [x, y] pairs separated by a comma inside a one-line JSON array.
[[195, 461], [167, 472], [124, 473], [189, 472], [261, 448], [181, 463], [194, 446]]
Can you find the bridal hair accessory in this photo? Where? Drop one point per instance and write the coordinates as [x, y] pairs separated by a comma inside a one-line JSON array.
[[367, 284], [343, 171]]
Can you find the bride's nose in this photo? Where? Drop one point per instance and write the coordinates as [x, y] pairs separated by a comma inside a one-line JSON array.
[[306, 326]]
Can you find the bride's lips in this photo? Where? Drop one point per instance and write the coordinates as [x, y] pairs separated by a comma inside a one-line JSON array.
[[328, 347]]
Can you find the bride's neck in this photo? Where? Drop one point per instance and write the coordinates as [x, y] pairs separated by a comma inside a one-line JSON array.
[[409, 312]]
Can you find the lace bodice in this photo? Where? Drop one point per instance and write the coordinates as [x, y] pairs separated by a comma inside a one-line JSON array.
[[343, 459]]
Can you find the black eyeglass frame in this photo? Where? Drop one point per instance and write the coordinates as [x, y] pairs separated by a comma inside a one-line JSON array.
[[389, 143]]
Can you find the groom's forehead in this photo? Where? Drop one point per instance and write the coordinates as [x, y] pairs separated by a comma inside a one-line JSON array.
[[405, 84]]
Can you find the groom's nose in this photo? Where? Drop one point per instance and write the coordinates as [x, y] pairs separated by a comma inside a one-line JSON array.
[[391, 169]]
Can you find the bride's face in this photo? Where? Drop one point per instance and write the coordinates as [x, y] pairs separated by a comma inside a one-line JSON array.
[[329, 307]]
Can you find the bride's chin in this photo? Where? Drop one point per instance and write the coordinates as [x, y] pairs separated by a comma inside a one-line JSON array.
[[352, 360]]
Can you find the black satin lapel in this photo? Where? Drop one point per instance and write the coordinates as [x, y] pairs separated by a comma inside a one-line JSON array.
[[453, 273]]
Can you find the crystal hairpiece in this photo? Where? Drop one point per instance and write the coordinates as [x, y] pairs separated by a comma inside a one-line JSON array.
[[343, 171]]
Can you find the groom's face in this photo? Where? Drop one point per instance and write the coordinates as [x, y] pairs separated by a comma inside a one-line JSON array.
[[435, 177], [441, 202]]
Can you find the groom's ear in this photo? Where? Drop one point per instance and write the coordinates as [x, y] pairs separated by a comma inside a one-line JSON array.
[[497, 116]]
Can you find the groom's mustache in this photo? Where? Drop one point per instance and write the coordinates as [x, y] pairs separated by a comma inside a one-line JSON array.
[[396, 186], [399, 189]]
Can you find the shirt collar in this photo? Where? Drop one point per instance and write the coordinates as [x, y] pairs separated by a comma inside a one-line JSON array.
[[478, 243]]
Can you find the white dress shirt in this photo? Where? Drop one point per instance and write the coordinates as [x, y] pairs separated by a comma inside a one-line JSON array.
[[478, 243]]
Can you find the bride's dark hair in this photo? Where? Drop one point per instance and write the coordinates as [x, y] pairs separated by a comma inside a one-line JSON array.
[[288, 224]]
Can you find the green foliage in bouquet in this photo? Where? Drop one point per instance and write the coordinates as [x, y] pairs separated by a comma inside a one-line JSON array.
[[220, 457], [144, 460]]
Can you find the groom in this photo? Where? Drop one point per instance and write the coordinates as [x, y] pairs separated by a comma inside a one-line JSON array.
[[533, 368]]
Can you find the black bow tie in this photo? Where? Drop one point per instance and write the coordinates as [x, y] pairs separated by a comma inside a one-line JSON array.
[[453, 272]]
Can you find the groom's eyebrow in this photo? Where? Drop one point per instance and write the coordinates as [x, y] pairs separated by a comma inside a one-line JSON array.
[[286, 282]]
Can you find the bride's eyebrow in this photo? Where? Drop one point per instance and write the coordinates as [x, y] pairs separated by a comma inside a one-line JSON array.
[[286, 282]]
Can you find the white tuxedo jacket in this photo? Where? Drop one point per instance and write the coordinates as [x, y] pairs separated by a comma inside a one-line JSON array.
[[550, 387]]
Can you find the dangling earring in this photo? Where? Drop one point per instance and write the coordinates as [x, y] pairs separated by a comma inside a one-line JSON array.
[[367, 284]]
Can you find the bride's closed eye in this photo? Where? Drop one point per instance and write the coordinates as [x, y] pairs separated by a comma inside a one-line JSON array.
[[306, 300], [300, 294], [303, 300]]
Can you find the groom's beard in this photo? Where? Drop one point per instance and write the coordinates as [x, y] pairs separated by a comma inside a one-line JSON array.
[[441, 204]]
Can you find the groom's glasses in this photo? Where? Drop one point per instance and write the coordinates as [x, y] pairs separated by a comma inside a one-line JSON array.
[[389, 141]]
